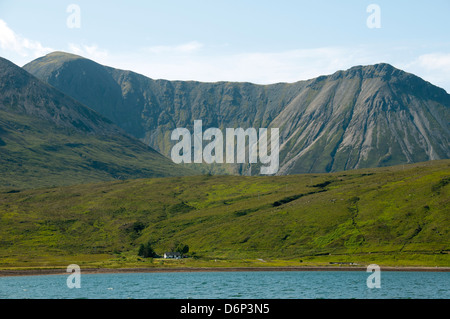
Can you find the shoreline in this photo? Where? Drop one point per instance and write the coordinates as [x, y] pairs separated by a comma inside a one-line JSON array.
[[62, 271]]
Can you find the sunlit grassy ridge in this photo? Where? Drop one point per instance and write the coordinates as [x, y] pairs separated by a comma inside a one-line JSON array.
[[390, 216]]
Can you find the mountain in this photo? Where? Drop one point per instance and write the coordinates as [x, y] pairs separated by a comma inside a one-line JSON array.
[[48, 138], [367, 116]]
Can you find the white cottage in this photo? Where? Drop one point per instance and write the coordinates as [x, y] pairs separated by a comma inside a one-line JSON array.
[[174, 255]]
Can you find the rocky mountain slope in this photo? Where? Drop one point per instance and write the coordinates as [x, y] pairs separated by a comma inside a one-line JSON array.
[[367, 116]]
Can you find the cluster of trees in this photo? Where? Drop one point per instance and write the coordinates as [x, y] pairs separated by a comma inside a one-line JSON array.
[[181, 248], [146, 250]]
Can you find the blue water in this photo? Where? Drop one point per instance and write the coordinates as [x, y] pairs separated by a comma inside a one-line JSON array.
[[231, 285]]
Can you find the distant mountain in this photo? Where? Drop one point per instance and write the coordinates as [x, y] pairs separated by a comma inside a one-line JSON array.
[[367, 116], [48, 138]]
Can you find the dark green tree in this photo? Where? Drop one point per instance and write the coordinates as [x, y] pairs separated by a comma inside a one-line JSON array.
[[146, 251], [182, 248]]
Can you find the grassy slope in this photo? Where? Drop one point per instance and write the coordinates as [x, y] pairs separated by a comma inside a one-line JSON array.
[[389, 216], [35, 153]]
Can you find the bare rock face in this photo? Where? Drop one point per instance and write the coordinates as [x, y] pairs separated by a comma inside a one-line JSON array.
[[367, 116]]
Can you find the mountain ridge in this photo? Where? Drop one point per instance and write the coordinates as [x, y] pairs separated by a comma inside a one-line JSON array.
[[366, 116], [49, 139], [14, 77]]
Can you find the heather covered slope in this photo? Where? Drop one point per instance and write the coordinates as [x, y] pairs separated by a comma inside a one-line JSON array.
[[395, 216]]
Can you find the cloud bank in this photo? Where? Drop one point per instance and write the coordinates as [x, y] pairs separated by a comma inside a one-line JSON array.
[[13, 44], [198, 61]]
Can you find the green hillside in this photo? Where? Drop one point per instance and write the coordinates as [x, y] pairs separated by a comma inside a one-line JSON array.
[[49, 139], [388, 216], [35, 153]]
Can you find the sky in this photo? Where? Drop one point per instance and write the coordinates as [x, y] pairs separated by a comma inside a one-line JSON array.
[[255, 41]]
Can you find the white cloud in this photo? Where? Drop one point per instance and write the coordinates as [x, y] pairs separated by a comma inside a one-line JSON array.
[[189, 47], [195, 61], [292, 65], [13, 43], [435, 61], [90, 52], [433, 67], [256, 67]]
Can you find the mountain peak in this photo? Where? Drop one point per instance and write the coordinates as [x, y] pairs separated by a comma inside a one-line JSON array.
[[60, 55], [23, 93], [55, 60], [383, 70], [402, 80], [49, 138]]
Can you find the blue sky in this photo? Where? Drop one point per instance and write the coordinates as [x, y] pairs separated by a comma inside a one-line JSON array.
[[255, 41]]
